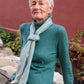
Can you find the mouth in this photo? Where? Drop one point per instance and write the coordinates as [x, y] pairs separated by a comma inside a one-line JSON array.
[[36, 12]]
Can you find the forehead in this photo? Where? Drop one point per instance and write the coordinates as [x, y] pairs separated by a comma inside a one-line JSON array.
[[39, 0]]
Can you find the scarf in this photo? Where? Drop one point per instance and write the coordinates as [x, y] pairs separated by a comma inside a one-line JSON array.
[[28, 51]]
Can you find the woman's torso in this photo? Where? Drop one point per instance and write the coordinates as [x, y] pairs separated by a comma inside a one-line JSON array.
[[45, 55]]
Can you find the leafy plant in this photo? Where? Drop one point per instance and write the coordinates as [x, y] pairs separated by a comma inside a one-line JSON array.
[[76, 50], [77, 36], [80, 73], [10, 40], [15, 45], [2, 30], [5, 36]]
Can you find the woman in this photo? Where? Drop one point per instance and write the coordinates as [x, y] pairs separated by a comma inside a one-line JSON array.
[[43, 42]]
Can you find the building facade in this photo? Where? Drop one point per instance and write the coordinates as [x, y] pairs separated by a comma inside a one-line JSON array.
[[68, 13]]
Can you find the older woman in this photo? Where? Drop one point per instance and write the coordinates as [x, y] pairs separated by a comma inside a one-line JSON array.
[[42, 43]]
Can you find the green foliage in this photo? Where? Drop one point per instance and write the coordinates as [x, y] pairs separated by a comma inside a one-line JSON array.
[[5, 36], [80, 73], [2, 30], [15, 45], [78, 54], [77, 36], [82, 67], [10, 40]]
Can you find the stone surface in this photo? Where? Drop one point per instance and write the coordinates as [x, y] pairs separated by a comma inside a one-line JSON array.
[[3, 79], [6, 51], [58, 78], [1, 43], [9, 61], [9, 69], [9, 64]]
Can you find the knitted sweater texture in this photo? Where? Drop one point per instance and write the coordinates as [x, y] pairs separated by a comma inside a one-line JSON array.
[[53, 45]]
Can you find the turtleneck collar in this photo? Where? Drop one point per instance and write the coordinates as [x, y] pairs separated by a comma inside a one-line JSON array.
[[37, 25]]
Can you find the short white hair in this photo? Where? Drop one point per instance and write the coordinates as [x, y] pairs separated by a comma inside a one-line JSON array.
[[50, 3]]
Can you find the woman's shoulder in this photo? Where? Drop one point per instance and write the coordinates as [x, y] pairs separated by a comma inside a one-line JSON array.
[[59, 29], [25, 27]]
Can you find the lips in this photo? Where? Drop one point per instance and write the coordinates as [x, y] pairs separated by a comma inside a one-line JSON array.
[[36, 12]]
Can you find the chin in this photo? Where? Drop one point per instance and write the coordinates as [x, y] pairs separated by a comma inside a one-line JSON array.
[[38, 18]]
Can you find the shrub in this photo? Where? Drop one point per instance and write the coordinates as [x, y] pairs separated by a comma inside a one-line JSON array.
[[77, 51], [10, 40], [6, 37], [15, 45]]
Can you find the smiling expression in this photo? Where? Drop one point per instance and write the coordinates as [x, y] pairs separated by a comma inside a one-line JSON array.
[[40, 10]]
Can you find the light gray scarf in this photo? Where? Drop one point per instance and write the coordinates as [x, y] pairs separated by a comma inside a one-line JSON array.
[[27, 53]]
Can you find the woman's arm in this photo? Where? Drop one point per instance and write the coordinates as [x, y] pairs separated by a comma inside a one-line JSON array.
[[63, 55]]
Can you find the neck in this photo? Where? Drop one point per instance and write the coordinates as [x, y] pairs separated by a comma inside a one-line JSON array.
[[40, 20], [38, 24]]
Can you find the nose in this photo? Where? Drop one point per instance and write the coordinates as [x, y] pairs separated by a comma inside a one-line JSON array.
[[37, 6]]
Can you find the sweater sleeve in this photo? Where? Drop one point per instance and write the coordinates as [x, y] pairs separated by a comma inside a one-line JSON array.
[[63, 55], [21, 36]]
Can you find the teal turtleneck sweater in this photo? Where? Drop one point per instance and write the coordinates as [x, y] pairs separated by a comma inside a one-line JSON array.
[[53, 45]]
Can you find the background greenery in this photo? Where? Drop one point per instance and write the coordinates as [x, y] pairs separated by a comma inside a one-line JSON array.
[[11, 40]]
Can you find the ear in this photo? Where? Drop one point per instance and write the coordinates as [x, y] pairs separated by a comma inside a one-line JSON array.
[[50, 9]]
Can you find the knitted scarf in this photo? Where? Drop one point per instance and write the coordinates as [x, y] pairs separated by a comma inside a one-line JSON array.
[[27, 53]]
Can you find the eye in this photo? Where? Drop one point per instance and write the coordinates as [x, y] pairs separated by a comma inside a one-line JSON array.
[[41, 3], [33, 3]]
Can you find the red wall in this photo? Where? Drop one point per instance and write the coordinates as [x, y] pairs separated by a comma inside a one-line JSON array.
[[69, 13]]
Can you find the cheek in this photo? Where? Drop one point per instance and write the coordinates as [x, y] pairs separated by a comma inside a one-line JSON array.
[[31, 10], [45, 13], [46, 10]]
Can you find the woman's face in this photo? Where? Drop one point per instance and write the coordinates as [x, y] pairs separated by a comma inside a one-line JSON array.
[[40, 10]]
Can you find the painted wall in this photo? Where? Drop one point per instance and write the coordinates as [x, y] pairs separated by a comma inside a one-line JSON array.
[[69, 13]]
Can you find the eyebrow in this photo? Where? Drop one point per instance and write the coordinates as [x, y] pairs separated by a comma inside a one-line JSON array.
[[34, 1], [39, 1]]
